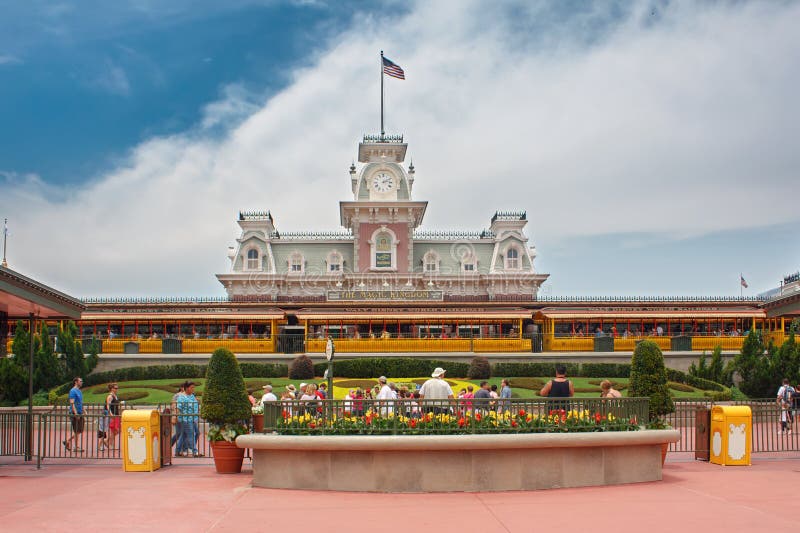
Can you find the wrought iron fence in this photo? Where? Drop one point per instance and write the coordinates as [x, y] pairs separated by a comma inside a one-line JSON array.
[[415, 416], [766, 419], [52, 428]]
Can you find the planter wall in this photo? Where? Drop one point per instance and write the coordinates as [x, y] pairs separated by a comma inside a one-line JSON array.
[[456, 463]]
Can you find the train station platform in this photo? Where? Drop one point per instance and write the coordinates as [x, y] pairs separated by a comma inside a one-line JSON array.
[[190, 496]]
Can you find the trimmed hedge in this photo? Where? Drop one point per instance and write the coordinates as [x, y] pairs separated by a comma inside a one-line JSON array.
[[397, 367], [179, 371], [649, 379], [532, 370]]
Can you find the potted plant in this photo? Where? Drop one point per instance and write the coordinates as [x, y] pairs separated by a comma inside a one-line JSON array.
[[258, 417], [649, 379], [226, 408]]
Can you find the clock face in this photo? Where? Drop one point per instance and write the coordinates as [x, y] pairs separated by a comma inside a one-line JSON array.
[[382, 182]]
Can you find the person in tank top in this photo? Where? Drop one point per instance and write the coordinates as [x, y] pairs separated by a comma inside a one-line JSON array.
[[559, 387]]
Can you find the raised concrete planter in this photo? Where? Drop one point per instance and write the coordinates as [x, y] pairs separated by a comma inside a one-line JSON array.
[[456, 463]]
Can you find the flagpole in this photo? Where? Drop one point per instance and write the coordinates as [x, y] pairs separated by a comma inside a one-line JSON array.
[[5, 238], [382, 130], [740, 284]]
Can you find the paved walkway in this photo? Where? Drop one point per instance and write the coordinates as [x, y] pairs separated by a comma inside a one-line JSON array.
[[693, 496]]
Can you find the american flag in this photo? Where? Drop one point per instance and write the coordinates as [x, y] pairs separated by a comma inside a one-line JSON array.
[[390, 69], [742, 281]]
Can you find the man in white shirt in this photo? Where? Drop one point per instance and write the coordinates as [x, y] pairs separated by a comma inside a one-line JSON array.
[[439, 390], [268, 396], [785, 396], [386, 397]]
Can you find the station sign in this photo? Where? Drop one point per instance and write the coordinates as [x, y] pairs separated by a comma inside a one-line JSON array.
[[359, 295]]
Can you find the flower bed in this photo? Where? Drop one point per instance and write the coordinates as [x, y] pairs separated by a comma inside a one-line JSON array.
[[376, 422]]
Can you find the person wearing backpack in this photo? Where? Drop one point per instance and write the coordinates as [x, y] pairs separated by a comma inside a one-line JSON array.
[[784, 399]]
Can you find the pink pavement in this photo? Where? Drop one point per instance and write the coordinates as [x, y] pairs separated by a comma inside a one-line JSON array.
[[190, 496]]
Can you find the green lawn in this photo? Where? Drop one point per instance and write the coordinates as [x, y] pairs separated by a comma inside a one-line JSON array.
[[161, 391]]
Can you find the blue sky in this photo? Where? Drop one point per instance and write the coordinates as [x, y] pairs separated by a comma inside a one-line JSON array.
[[653, 144]]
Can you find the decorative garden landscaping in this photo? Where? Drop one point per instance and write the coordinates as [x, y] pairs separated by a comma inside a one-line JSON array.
[[159, 391]]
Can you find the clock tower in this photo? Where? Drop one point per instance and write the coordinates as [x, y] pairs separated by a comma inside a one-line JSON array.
[[382, 215]]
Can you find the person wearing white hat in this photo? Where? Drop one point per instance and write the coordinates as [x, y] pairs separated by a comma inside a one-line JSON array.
[[436, 389], [386, 397], [268, 396]]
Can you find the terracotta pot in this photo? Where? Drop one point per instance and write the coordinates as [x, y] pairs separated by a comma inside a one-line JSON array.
[[664, 448], [227, 457], [258, 423]]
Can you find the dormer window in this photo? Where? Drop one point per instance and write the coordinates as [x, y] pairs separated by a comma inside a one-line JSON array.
[[296, 263], [512, 259], [252, 259], [334, 262], [430, 263]]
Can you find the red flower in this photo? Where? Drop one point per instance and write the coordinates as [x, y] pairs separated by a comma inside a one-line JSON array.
[[521, 412], [461, 422], [412, 423], [513, 423], [285, 413], [598, 417], [478, 417], [312, 425], [563, 418]]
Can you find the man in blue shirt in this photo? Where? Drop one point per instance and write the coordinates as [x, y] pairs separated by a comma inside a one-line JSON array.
[[76, 415], [505, 395]]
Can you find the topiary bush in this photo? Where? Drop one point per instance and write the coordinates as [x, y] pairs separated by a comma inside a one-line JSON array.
[[479, 368], [649, 379], [225, 404], [301, 368]]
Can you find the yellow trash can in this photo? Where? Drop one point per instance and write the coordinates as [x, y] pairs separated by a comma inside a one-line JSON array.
[[141, 432], [731, 435]]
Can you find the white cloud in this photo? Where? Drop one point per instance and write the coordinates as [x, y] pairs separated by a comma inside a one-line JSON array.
[[682, 123], [113, 79], [7, 59]]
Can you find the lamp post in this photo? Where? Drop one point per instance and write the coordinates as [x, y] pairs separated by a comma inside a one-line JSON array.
[[29, 418], [330, 349]]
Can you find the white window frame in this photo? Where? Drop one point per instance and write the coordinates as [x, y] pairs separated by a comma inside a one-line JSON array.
[[373, 241], [247, 259], [430, 258], [334, 259], [296, 257], [469, 261], [507, 261]]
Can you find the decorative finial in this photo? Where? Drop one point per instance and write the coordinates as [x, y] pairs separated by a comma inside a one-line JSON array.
[[353, 167]]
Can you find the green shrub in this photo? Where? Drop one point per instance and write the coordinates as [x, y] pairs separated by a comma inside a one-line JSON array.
[[479, 368], [526, 383], [225, 400], [680, 387], [649, 379], [532, 369], [392, 367], [301, 368], [129, 396], [604, 370], [262, 370]]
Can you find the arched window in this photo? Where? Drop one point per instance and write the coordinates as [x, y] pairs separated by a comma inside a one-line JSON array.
[[512, 259], [334, 262], [430, 263], [383, 249], [469, 263], [252, 259], [296, 263]]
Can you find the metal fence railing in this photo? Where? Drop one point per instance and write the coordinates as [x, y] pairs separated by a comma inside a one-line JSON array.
[[415, 416], [52, 427], [766, 420]]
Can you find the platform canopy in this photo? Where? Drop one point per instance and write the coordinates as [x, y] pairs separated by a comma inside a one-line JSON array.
[[21, 296]]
